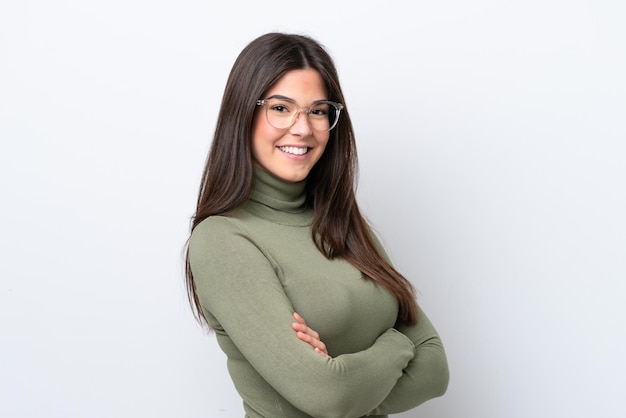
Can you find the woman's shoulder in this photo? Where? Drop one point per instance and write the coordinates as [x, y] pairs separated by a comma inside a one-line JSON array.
[[378, 243], [220, 226], [213, 234], [216, 224]]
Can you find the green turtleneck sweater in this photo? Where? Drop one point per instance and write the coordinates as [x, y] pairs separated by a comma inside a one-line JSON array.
[[255, 266]]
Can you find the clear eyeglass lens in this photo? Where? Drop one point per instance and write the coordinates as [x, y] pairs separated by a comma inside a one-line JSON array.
[[282, 114]]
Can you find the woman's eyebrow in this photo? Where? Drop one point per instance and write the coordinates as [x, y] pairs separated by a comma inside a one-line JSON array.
[[279, 96], [289, 99]]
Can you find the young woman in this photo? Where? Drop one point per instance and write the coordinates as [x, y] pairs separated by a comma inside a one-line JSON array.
[[278, 238]]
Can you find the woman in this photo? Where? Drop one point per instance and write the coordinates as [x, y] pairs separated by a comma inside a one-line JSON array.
[[278, 238]]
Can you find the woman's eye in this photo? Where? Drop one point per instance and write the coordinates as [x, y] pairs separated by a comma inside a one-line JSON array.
[[280, 108], [319, 111]]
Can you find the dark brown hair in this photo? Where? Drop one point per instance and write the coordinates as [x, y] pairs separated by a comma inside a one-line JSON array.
[[338, 229]]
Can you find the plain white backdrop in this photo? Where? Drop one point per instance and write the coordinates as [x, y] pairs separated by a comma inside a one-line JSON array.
[[491, 138]]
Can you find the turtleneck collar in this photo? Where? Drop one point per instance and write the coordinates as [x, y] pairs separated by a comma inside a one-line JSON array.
[[278, 201]]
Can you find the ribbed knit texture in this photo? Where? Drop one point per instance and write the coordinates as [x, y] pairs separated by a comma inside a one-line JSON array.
[[257, 265]]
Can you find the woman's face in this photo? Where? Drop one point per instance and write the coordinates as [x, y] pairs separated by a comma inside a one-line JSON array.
[[290, 154]]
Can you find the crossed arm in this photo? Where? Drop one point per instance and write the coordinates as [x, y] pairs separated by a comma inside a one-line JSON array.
[[425, 377]]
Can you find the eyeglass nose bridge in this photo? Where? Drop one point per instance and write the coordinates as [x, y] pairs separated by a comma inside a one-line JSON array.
[[296, 116]]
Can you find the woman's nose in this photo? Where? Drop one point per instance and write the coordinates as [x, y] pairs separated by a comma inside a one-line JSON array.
[[302, 126]]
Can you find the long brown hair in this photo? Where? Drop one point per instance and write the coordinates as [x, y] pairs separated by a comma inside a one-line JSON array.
[[338, 228]]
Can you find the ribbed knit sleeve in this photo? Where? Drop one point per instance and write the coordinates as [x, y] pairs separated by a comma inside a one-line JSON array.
[[239, 288], [427, 374]]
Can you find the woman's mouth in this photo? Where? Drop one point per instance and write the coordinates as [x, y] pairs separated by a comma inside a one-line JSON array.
[[294, 150]]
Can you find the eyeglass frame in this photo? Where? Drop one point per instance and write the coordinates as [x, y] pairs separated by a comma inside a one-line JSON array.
[[307, 111]]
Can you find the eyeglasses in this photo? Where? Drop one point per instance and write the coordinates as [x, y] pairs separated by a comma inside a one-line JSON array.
[[322, 115]]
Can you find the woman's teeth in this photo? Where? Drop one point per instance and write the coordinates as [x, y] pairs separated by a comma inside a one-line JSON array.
[[294, 150]]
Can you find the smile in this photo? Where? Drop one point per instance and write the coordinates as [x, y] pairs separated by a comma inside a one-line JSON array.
[[294, 150]]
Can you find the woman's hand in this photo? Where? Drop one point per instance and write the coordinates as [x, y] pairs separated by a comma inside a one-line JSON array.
[[308, 335]]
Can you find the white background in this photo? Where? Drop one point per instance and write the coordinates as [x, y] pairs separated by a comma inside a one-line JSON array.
[[491, 137]]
